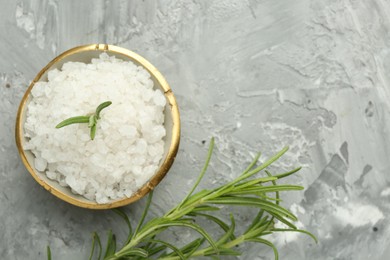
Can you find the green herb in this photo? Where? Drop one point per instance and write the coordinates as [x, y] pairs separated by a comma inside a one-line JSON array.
[[245, 191], [48, 253], [91, 119]]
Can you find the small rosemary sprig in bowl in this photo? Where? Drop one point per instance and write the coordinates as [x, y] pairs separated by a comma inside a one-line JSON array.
[[91, 120], [145, 242]]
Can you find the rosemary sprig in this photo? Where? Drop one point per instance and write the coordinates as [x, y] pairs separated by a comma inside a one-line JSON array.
[[91, 119], [245, 191]]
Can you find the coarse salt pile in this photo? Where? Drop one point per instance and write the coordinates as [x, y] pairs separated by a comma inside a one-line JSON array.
[[129, 141]]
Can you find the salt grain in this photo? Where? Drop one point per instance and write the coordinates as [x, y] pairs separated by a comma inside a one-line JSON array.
[[129, 142], [40, 164]]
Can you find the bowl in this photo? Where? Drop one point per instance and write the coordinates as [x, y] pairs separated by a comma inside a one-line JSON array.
[[172, 125]]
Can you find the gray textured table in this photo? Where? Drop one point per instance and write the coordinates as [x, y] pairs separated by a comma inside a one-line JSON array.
[[256, 75]]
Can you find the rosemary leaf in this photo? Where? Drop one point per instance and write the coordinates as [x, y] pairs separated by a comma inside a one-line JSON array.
[[264, 189], [285, 221], [259, 230], [229, 233], [95, 240], [111, 245], [197, 228], [228, 251], [132, 252], [203, 171], [123, 215], [48, 253], [250, 183], [190, 248], [283, 175], [93, 132], [266, 242], [261, 167], [253, 163], [277, 197], [220, 223], [254, 202], [256, 220], [196, 197], [145, 212], [93, 247], [295, 230], [169, 245], [73, 120], [205, 208], [101, 107], [155, 249], [221, 251]]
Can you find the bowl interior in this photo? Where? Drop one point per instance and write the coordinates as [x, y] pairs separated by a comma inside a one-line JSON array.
[[172, 125]]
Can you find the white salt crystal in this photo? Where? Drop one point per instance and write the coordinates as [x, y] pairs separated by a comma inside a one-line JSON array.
[[40, 164], [38, 90], [141, 146], [156, 149], [158, 99], [137, 171], [128, 178], [128, 193], [51, 175], [129, 142], [128, 131]]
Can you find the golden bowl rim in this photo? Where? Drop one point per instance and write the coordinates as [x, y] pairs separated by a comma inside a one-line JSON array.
[[168, 160]]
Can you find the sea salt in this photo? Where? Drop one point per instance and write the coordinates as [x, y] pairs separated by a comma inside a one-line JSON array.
[[129, 141]]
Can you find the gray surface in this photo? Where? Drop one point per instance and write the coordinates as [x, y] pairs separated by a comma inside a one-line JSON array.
[[257, 75]]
